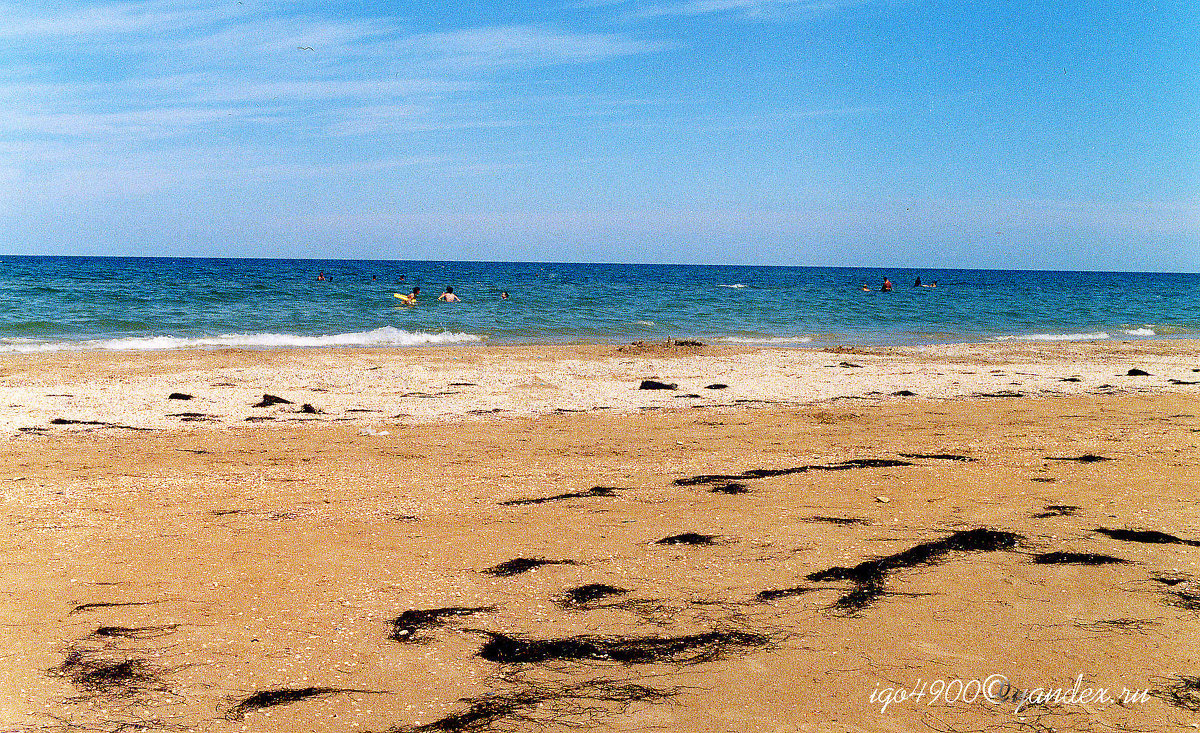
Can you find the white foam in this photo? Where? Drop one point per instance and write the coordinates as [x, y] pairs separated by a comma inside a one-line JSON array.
[[1141, 331], [645, 323], [765, 339], [1056, 337], [735, 285], [386, 336]]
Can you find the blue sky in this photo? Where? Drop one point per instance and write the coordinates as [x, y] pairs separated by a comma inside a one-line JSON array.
[[1005, 134]]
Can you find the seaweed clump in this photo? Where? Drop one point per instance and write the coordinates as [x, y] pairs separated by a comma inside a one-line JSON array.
[[1148, 536], [284, 696], [756, 473], [733, 487], [590, 593], [1076, 558], [688, 538], [1085, 458], [840, 521], [519, 565], [1185, 693], [589, 700], [686, 649], [594, 491], [109, 677], [767, 596], [406, 625], [1056, 510], [869, 576]]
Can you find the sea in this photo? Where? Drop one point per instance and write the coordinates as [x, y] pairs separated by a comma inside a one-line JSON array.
[[50, 304]]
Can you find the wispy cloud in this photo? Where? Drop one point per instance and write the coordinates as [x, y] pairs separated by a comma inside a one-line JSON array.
[[751, 9], [128, 81]]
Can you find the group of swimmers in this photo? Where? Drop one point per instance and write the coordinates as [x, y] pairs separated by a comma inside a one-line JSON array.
[[447, 297], [887, 285], [411, 298]]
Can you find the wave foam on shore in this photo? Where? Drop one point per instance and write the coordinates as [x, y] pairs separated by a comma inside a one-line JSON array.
[[386, 336]]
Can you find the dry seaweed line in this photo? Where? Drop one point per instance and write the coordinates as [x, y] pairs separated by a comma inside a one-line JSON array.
[[594, 491], [406, 625], [97, 675], [1185, 693], [1147, 536], [581, 705], [519, 565], [686, 649], [869, 576], [285, 696], [589, 593]]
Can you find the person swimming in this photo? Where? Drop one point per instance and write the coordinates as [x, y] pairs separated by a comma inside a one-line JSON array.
[[887, 286], [411, 298], [449, 296]]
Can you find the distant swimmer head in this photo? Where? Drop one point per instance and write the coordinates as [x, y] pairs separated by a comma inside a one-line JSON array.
[[449, 289], [504, 295]]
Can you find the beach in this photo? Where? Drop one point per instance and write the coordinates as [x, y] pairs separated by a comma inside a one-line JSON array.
[[777, 539]]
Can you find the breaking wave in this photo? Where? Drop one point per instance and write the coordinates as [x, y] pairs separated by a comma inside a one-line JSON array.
[[386, 336]]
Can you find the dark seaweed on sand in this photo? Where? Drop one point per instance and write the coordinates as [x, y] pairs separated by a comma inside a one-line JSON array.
[[1148, 536], [1076, 558], [105, 676], [655, 384], [1184, 600], [283, 696], [841, 521], [1171, 581], [406, 625], [519, 565], [756, 473], [1184, 693], [733, 487], [771, 595], [590, 700], [269, 399], [589, 593], [869, 576], [1056, 510], [138, 632], [594, 491], [92, 606], [686, 649], [688, 538], [1085, 458]]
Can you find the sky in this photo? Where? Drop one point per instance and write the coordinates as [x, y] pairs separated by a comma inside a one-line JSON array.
[[1005, 134]]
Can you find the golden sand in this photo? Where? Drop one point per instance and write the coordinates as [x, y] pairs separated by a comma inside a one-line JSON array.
[[159, 572]]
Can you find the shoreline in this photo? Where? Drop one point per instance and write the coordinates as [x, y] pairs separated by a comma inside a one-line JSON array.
[[373, 388]]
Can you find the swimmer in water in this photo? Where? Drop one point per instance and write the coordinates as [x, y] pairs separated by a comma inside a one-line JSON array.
[[411, 298], [449, 296], [866, 288], [504, 295], [887, 286]]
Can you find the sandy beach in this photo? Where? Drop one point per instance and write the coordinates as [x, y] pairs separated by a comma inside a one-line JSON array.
[[520, 538]]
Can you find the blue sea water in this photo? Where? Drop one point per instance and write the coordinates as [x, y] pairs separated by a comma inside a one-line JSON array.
[[65, 303]]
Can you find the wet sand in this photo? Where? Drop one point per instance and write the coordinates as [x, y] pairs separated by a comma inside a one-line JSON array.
[[228, 575]]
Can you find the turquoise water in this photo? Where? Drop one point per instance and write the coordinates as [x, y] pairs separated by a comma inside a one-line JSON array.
[[57, 303]]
